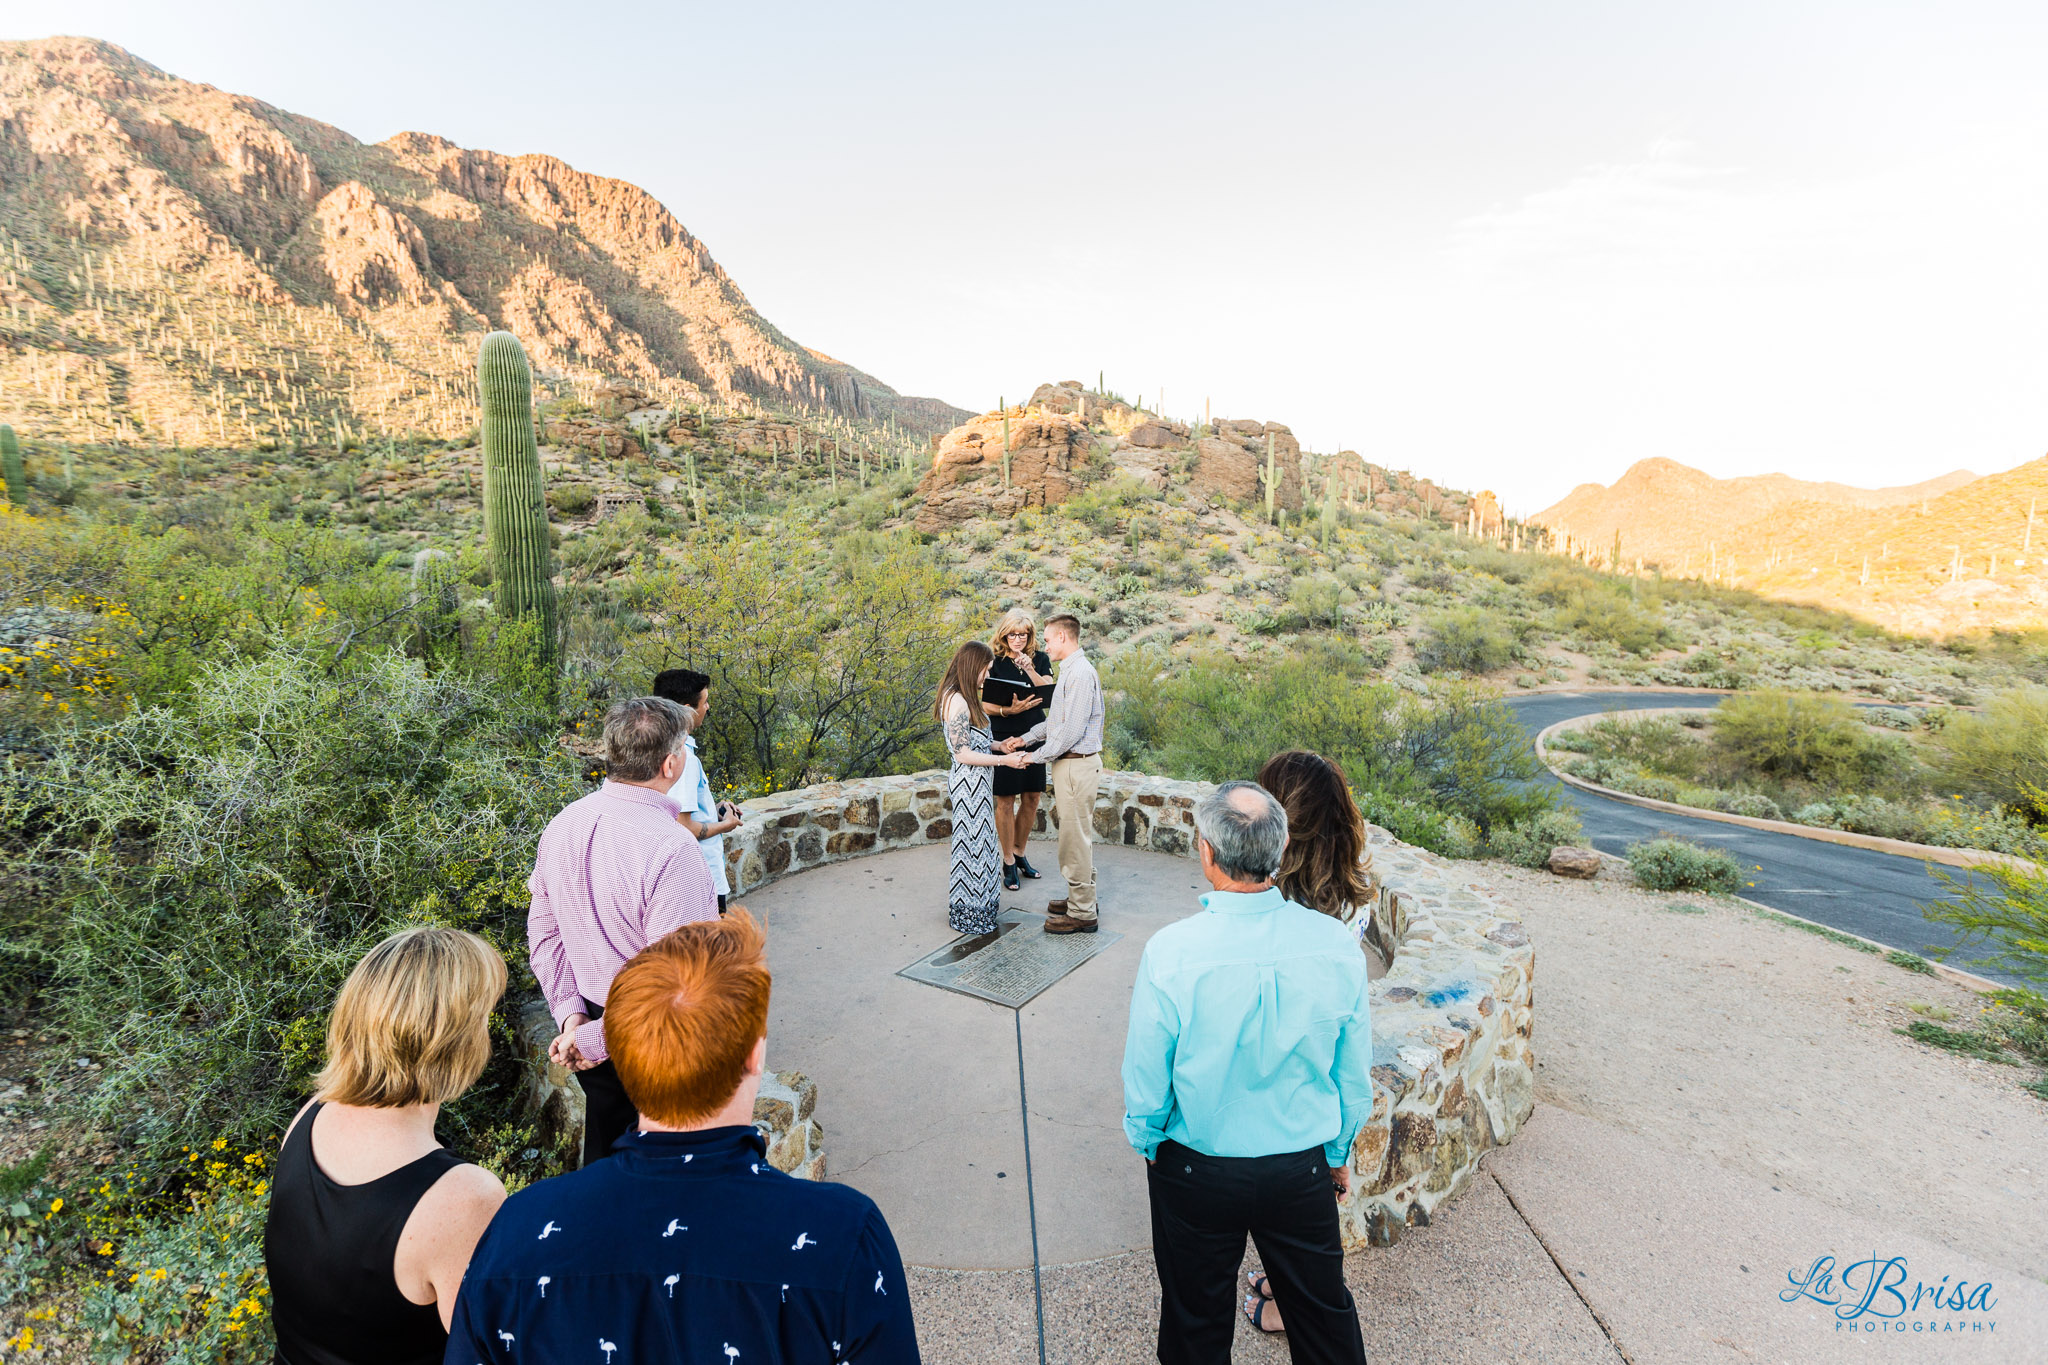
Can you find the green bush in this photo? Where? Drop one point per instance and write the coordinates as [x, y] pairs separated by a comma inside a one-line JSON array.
[[1459, 752], [1528, 842], [215, 872], [1666, 864], [572, 499], [2001, 910], [1800, 736], [2001, 754], [1464, 640], [1661, 743], [1604, 613], [187, 1285]]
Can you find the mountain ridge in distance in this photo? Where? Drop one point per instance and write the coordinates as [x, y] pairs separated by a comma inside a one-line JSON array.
[[170, 246]]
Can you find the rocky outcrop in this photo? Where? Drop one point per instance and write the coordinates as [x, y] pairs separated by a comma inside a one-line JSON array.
[[1048, 464], [1232, 464]]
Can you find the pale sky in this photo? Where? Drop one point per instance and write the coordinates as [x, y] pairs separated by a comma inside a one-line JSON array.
[[1506, 245]]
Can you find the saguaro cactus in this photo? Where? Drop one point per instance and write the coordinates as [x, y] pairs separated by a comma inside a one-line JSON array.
[[515, 503], [1272, 468], [1329, 509], [437, 602], [10, 466], [1006, 440]]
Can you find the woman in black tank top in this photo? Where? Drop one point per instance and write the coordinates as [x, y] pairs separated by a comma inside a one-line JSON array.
[[409, 1030]]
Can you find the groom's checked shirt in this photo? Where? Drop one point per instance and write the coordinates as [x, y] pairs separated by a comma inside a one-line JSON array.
[[1073, 724]]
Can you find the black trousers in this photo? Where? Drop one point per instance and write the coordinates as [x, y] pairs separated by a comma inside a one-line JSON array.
[[1202, 1208], [607, 1113]]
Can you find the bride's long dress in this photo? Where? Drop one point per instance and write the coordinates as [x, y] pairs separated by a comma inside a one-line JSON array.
[[974, 893]]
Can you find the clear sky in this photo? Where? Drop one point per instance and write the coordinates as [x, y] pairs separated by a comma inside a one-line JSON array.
[[1509, 245]]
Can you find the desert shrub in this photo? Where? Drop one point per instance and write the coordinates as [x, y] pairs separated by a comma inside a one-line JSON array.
[[1666, 864], [200, 919], [1755, 805], [816, 675], [1318, 602], [186, 1285], [1661, 743], [1099, 506], [2001, 913], [2002, 753], [1571, 742], [572, 499], [1604, 613], [1799, 736], [1458, 752], [1464, 640], [1528, 842], [1421, 824]]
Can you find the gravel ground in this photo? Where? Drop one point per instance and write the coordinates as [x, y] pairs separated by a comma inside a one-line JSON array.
[[1701, 1025]]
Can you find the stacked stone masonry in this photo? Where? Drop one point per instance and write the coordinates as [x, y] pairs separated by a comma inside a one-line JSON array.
[[1453, 1073]]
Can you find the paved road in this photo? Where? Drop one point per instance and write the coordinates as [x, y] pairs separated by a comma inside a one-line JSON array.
[[1877, 895]]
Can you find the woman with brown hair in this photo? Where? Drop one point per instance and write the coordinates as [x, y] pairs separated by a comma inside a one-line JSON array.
[[974, 891], [1018, 685], [1326, 865]]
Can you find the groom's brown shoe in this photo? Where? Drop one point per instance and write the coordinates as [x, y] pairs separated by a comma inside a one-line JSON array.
[[1058, 907], [1067, 924]]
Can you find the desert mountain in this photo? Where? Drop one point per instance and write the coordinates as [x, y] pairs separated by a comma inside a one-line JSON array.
[[1952, 554], [1665, 511], [184, 264]]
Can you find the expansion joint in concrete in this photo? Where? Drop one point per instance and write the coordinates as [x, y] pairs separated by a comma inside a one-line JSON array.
[[1563, 1271]]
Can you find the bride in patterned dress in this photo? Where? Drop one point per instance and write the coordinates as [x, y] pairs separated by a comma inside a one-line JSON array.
[[974, 893]]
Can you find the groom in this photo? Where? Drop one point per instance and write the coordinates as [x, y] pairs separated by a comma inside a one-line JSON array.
[[1069, 739]]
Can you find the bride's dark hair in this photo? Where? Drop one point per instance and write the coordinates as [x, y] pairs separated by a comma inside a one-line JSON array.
[[1321, 866], [963, 680]]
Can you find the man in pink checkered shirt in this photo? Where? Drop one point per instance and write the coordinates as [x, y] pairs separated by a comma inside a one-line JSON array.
[[613, 873]]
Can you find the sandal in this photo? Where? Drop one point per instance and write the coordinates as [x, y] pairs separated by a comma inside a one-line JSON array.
[[1255, 1314], [1024, 866], [1261, 1285], [1010, 881]]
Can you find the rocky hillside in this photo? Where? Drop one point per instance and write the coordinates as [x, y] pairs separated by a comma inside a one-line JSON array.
[[187, 266], [1068, 437]]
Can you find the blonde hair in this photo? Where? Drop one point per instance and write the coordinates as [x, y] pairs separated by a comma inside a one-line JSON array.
[[411, 1025], [1014, 617]]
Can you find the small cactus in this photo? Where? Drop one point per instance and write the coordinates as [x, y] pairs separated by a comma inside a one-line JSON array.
[[436, 601], [515, 503], [10, 466]]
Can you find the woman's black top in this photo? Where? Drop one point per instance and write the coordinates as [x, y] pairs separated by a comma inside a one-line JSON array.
[[331, 1249], [1016, 781]]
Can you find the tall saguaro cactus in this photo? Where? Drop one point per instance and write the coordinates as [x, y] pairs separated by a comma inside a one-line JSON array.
[[1272, 468], [1006, 440], [515, 503], [10, 466]]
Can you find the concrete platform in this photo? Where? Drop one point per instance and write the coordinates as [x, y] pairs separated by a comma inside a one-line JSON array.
[[1579, 1242]]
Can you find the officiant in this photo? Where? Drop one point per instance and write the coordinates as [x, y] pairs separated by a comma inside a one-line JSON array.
[[1019, 685]]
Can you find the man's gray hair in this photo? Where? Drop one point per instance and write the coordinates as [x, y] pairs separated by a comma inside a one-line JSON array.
[[639, 734], [1245, 828]]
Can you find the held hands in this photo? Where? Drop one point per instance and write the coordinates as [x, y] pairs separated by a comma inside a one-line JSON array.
[[562, 1049]]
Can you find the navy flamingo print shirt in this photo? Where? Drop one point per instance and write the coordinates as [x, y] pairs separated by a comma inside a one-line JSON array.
[[687, 1248]]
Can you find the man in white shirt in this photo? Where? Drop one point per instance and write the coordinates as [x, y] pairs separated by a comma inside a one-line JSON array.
[[1069, 740], [709, 819]]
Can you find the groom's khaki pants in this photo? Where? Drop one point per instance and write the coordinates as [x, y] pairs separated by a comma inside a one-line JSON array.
[[1074, 780]]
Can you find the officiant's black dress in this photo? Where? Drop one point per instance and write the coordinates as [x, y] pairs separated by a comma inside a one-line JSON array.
[[1005, 682]]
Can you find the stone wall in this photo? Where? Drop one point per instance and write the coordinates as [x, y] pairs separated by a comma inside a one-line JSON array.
[[1452, 1068]]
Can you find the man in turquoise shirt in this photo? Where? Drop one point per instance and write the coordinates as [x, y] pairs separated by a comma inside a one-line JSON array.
[[1247, 1073]]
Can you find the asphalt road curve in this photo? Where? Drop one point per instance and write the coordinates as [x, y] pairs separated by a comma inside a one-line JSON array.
[[1877, 895]]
